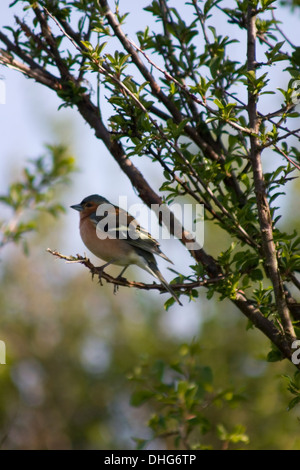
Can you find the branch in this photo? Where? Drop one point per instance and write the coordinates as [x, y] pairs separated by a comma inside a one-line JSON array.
[[50, 40], [24, 56], [34, 71], [287, 157], [247, 308], [121, 281], [280, 31], [282, 342], [155, 87], [264, 213]]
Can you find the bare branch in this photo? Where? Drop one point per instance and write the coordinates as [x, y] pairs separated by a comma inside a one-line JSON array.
[[287, 157], [120, 281], [34, 71], [281, 32], [263, 324]]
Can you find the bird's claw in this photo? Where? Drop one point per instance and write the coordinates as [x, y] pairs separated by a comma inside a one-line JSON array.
[[116, 286], [100, 271]]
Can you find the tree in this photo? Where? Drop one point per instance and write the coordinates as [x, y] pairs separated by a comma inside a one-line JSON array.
[[178, 98]]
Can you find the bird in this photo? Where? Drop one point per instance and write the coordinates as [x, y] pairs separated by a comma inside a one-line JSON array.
[[115, 236]]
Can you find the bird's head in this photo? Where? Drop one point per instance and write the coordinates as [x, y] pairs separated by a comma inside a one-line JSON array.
[[89, 205]]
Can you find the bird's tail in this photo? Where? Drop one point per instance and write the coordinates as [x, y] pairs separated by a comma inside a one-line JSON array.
[[156, 273]]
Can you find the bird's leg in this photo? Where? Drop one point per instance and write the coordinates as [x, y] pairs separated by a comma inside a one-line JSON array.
[[122, 272], [116, 287], [100, 269]]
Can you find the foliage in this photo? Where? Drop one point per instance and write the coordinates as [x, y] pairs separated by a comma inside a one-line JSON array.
[[35, 193], [182, 392], [294, 388]]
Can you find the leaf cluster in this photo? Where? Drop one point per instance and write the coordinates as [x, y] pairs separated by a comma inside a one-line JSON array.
[[183, 393], [34, 193]]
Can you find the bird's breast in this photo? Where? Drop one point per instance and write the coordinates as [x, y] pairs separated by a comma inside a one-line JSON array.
[[105, 248]]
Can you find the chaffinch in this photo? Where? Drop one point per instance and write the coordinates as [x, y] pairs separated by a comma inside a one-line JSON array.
[[113, 235]]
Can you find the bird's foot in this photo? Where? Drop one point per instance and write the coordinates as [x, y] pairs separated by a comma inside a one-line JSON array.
[[99, 270], [116, 286]]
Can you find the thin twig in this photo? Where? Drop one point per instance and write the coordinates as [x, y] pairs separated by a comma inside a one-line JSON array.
[[281, 32], [184, 88], [287, 157], [185, 287]]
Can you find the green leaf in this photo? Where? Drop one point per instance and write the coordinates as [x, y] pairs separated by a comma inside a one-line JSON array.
[[275, 355], [141, 396], [295, 401], [218, 103], [169, 303]]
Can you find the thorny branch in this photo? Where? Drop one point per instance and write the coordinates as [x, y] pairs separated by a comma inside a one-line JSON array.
[[121, 281]]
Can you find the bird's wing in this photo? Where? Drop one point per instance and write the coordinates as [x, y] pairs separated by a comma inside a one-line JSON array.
[[119, 224], [147, 243]]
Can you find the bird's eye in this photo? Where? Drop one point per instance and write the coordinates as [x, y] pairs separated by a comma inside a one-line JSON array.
[[88, 204]]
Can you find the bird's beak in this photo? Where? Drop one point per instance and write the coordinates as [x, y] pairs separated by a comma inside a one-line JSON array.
[[77, 207]]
